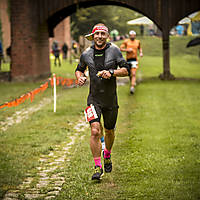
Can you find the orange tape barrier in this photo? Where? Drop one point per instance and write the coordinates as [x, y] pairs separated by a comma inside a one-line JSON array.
[[64, 81], [42, 88]]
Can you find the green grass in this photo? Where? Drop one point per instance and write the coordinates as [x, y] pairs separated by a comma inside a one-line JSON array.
[[186, 66], [181, 59], [156, 151], [162, 133], [22, 144], [152, 46], [66, 70], [11, 91], [5, 67]]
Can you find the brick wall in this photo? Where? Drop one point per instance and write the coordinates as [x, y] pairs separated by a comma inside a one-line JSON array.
[[30, 41], [30, 46], [62, 34], [67, 34]]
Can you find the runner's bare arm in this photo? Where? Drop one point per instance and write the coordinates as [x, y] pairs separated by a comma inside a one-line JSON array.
[[123, 48], [80, 77], [121, 72], [117, 72], [79, 72], [140, 50]]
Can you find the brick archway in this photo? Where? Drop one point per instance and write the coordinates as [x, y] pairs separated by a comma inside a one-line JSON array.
[[33, 21]]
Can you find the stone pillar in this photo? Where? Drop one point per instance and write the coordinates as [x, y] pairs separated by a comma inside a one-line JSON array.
[[166, 58], [67, 35], [165, 41], [165, 45], [5, 24], [30, 45]]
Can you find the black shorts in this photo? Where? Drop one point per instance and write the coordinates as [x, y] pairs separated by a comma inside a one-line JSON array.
[[109, 116]]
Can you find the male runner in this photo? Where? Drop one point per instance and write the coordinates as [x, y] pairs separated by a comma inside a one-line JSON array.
[[103, 60], [130, 46]]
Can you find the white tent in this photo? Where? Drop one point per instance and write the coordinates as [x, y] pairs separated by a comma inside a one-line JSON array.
[[185, 20], [188, 19], [139, 21]]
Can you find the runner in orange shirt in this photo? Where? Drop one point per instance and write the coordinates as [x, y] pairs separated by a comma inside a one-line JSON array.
[[130, 46]]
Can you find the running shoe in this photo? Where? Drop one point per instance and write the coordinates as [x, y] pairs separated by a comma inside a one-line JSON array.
[[107, 165], [132, 90], [98, 173]]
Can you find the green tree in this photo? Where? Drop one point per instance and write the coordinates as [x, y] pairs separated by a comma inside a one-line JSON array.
[[115, 17]]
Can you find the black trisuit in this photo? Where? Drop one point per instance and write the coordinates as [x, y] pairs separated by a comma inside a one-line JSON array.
[[103, 93]]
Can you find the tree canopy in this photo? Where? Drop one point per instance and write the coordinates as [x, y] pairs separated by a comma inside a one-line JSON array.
[[115, 17]]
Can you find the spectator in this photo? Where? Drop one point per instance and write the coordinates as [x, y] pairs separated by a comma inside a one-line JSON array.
[[8, 51], [75, 46], [56, 53], [141, 29], [64, 50], [180, 30]]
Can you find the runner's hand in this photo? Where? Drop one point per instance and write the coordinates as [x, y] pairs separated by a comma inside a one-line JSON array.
[[81, 80], [129, 50], [141, 54], [105, 74]]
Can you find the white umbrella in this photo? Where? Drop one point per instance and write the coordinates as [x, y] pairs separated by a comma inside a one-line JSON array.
[[139, 21]]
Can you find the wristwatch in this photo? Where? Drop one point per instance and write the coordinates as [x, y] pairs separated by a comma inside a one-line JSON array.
[[111, 71]]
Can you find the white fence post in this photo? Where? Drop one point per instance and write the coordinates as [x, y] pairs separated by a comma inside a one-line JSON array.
[[54, 86]]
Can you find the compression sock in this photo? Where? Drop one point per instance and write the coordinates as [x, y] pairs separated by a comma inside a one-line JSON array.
[[97, 161], [106, 153]]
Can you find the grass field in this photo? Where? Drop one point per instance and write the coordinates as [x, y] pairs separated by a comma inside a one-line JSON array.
[[156, 151]]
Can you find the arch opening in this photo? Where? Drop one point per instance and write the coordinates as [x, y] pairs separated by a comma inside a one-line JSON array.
[[58, 16]]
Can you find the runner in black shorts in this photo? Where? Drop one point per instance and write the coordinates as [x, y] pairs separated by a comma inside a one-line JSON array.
[[109, 116], [105, 62]]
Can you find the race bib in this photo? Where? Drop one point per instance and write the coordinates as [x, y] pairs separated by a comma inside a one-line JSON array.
[[90, 113]]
